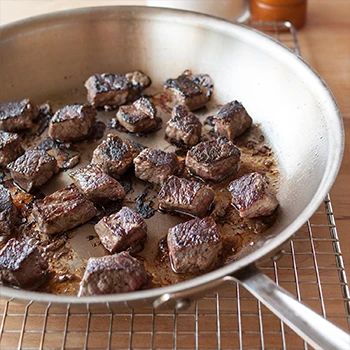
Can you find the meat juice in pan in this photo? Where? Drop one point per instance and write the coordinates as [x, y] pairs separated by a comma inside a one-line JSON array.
[[67, 253]]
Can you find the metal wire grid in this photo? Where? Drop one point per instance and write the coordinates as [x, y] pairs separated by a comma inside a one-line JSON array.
[[311, 267]]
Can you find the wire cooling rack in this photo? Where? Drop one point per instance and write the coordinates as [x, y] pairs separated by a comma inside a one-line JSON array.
[[310, 267]]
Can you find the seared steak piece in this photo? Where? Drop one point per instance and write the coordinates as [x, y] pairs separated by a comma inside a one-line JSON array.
[[18, 115], [113, 90], [22, 265], [10, 147], [72, 123], [213, 160], [114, 156], [96, 185], [33, 169], [251, 196], [193, 90], [125, 230], [63, 210], [194, 245], [185, 196], [118, 273], [8, 214], [141, 116], [232, 120], [183, 127], [155, 165]]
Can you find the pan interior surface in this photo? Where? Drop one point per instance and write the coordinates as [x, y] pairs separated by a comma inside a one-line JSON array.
[[53, 55]]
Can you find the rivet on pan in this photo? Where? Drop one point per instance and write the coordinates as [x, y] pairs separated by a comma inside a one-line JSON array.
[[278, 255], [182, 304]]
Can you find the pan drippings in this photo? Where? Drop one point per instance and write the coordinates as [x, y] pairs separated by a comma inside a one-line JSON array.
[[67, 253]]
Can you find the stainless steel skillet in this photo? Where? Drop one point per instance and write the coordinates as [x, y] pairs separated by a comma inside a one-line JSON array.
[[53, 54]]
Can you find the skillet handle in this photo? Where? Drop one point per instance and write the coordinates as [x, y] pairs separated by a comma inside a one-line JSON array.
[[316, 330]]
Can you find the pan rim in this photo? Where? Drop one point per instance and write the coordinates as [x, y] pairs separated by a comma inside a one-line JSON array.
[[232, 29]]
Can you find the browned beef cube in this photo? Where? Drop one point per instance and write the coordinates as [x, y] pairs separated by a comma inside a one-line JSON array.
[[18, 115], [113, 90], [63, 210], [185, 196], [96, 185], [232, 120], [213, 160], [8, 214], [118, 273], [252, 197], [33, 169], [183, 127], [22, 265], [155, 165], [193, 90], [194, 245], [114, 156], [10, 147], [141, 116], [72, 123], [125, 230]]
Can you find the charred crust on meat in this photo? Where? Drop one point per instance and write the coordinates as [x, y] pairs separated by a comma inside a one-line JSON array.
[[209, 152], [141, 116], [30, 161], [155, 165], [185, 196], [13, 109], [124, 230], [10, 147], [143, 105], [33, 169], [118, 273], [73, 111], [194, 245], [251, 196], [183, 127], [138, 80], [22, 264], [184, 85], [193, 90], [194, 232], [9, 215], [96, 185], [183, 119], [63, 210], [213, 160], [174, 182], [17, 115], [232, 120], [107, 81], [117, 149], [114, 155], [72, 123], [120, 149], [158, 157], [112, 90]]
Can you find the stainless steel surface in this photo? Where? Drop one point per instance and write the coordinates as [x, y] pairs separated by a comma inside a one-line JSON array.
[[280, 91], [310, 268]]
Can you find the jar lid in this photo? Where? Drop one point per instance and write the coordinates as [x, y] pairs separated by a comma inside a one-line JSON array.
[[293, 11]]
